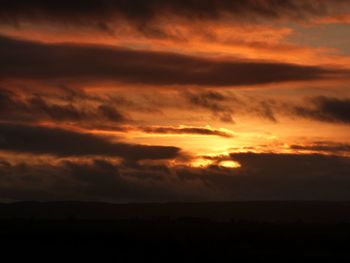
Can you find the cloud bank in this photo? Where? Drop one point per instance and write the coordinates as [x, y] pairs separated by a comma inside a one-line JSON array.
[[32, 60]]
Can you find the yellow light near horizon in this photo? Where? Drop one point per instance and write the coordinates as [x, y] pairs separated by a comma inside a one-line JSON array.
[[230, 164], [201, 163]]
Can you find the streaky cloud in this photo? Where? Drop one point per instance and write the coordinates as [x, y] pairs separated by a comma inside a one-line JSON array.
[[55, 141], [21, 59]]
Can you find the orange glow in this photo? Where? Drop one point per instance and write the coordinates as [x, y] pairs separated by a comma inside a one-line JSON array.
[[230, 164], [211, 120], [215, 40]]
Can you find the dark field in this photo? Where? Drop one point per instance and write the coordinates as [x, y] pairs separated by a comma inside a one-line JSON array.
[[224, 232]]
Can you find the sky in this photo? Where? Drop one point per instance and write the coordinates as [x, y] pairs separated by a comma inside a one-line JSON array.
[[174, 100]]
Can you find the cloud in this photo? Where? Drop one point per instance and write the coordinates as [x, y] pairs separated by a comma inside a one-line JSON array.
[[319, 108], [33, 60], [36, 106], [323, 146], [60, 142], [186, 130], [336, 19], [261, 177], [208, 99], [97, 180], [213, 101], [293, 176], [223, 106], [99, 12], [111, 113], [326, 109]]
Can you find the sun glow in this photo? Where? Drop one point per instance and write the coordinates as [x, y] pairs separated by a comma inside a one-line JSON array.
[[203, 163], [230, 164]]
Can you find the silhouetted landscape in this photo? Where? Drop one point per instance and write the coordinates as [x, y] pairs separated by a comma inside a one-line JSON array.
[[177, 232], [258, 211], [174, 131]]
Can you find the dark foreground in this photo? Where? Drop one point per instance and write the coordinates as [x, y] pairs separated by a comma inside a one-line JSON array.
[[30, 231]]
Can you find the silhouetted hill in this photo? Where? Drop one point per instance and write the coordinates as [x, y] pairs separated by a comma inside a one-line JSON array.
[[176, 232], [261, 211]]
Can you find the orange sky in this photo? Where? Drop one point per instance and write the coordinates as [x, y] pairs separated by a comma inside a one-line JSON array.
[[208, 85]]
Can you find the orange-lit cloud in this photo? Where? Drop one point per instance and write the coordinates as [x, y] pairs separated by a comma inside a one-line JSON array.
[[172, 100], [338, 19]]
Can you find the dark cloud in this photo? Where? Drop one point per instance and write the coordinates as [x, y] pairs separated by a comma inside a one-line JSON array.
[[213, 101], [99, 180], [31, 60], [266, 109], [261, 177], [293, 176], [60, 142], [208, 99], [224, 105], [7, 101], [326, 109], [324, 146], [36, 104], [111, 113], [186, 130], [33, 107], [141, 12], [320, 108]]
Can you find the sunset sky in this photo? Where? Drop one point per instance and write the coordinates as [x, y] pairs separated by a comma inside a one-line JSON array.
[[174, 100]]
